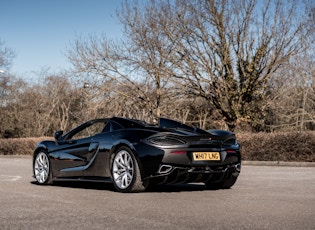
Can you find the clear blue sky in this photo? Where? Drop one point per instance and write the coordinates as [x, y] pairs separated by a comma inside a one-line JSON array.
[[39, 31]]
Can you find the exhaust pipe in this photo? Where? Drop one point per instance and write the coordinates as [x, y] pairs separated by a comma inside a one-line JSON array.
[[164, 169], [237, 169]]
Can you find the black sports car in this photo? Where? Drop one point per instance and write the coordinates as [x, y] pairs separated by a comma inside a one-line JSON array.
[[134, 155]]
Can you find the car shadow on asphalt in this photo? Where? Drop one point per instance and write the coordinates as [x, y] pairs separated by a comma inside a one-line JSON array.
[[178, 188], [110, 187], [81, 185]]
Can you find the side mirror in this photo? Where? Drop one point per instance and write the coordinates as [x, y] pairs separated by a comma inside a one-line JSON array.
[[58, 134]]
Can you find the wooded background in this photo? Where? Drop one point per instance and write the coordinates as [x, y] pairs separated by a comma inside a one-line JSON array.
[[241, 65]]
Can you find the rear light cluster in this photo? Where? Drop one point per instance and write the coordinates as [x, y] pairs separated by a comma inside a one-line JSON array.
[[230, 151], [179, 152]]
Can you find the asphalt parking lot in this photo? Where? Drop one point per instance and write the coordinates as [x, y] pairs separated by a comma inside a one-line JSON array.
[[264, 197]]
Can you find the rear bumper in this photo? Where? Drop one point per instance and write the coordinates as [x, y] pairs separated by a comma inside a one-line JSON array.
[[172, 174]]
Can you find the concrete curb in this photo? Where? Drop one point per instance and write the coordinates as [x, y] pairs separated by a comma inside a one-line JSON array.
[[279, 163]]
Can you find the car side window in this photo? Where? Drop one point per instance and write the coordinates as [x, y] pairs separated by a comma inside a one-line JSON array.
[[111, 126], [89, 131], [115, 126], [106, 128]]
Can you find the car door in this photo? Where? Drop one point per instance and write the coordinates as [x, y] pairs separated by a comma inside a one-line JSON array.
[[76, 152]]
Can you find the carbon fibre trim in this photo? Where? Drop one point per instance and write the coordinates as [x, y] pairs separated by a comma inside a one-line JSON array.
[[180, 175]]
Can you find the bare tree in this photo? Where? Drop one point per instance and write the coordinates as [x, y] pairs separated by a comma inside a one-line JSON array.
[[40, 109], [293, 96], [292, 89], [10, 91], [137, 67], [227, 51], [6, 56]]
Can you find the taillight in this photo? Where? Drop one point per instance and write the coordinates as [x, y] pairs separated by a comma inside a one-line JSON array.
[[230, 151], [178, 152]]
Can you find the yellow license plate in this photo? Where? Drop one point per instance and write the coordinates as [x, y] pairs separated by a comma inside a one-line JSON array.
[[206, 156]]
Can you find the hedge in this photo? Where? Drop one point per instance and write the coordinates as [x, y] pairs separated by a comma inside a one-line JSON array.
[[287, 146]]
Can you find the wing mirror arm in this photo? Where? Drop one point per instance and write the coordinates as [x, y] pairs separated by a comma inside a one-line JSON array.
[[58, 134]]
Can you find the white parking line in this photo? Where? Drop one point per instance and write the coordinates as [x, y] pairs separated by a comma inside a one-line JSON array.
[[9, 178]]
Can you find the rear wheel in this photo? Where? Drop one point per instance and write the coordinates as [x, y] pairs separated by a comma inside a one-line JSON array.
[[125, 172], [42, 170], [226, 184]]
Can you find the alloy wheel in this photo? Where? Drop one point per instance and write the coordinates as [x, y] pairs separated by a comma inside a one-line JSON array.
[[123, 169], [41, 168]]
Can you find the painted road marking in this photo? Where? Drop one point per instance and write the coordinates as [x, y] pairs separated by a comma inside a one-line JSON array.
[[9, 178]]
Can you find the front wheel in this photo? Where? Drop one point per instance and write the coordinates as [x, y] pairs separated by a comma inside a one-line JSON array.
[[41, 168], [125, 172]]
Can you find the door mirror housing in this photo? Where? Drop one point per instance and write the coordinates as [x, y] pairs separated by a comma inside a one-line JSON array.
[[58, 134]]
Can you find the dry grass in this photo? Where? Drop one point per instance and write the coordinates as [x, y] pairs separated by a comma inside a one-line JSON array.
[[288, 146]]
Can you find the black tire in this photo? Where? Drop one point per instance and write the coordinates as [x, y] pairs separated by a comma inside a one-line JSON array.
[[125, 171], [226, 184], [42, 169]]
